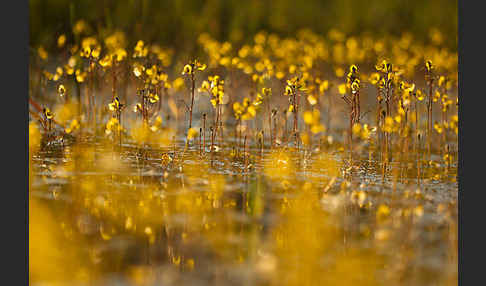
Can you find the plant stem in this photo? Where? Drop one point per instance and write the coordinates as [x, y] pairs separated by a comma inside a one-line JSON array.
[[193, 85]]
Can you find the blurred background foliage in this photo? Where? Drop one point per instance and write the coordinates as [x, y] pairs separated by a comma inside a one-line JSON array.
[[178, 22]]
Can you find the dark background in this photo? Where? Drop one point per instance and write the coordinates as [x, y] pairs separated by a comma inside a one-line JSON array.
[[178, 22]]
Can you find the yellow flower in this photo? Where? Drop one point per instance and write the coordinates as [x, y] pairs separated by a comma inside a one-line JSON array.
[[389, 124], [308, 117], [288, 90], [69, 70], [115, 105], [85, 52], [292, 69], [61, 41], [244, 51], [47, 113], [157, 124], [137, 108], [80, 75], [225, 61], [138, 69], [251, 111], [166, 159], [374, 78], [192, 67], [61, 90], [72, 62], [313, 119], [140, 50], [187, 69], [436, 96], [48, 75], [178, 83], [438, 127], [382, 211], [105, 61], [80, 27], [258, 100], [151, 71], [323, 86], [259, 66], [317, 128], [238, 109], [96, 52], [115, 41], [42, 53], [355, 86], [58, 75], [112, 125], [153, 98], [384, 67], [200, 66], [312, 100], [235, 61], [365, 133], [356, 129], [428, 66], [342, 89], [442, 80], [120, 54], [419, 95], [192, 133], [205, 86], [305, 139], [255, 77], [382, 83], [72, 127], [267, 92]]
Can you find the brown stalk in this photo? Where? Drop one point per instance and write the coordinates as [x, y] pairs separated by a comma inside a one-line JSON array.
[[193, 86]]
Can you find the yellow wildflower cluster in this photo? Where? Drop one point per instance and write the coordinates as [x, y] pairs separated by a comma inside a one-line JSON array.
[[214, 86], [247, 109], [113, 126], [192, 67]]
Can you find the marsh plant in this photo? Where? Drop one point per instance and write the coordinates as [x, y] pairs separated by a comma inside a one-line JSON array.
[[280, 162]]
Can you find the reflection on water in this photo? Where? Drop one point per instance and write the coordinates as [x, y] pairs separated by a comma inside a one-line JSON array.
[[167, 216]]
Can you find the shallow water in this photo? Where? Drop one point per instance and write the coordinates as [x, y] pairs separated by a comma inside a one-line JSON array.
[[286, 217]]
